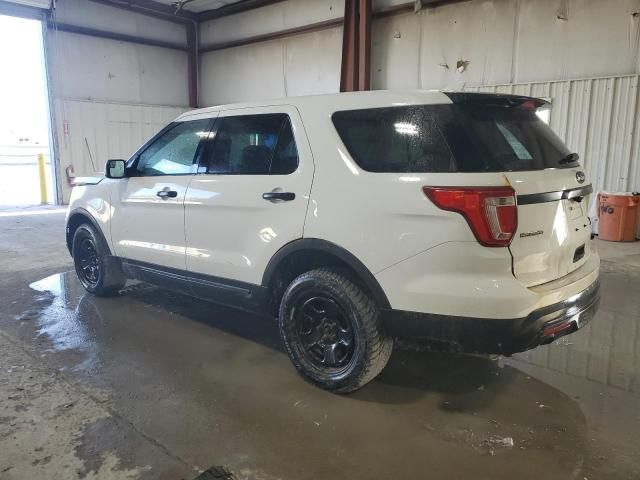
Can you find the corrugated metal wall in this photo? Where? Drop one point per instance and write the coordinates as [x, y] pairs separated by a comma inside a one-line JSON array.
[[91, 132], [599, 119]]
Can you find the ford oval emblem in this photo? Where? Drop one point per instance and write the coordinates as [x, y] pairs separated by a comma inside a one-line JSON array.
[[580, 177]]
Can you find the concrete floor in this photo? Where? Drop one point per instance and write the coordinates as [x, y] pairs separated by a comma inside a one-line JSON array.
[[155, 385]]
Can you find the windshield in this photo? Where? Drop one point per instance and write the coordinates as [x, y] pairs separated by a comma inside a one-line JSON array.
[[451, 138]]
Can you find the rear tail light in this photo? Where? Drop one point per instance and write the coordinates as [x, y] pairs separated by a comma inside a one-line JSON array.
[[491, 212]]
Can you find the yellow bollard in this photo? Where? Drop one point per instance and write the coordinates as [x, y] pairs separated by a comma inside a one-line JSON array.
[[43, 179]]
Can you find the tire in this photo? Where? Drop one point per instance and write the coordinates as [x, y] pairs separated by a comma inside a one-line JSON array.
[[98, 272], [332, 331]]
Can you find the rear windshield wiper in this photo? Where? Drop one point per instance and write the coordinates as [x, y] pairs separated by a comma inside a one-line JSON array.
[[571, 158]]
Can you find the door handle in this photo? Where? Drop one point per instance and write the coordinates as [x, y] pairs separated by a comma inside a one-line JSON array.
[[279, 196], [164, 194]]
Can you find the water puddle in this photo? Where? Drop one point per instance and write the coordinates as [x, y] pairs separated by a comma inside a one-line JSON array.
[[66, 321], [572, 404]]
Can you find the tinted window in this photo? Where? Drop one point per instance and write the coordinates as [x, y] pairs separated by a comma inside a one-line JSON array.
[[252, 145], [494, 139], [394, 139], [450, 138], [173, 152]]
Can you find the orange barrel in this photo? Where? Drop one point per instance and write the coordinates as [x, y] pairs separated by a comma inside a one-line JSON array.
[[618, 217]]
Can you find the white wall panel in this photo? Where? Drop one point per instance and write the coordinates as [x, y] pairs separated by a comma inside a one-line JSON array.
[[272, 18], [395, 52], [597, 38], [84, 67], [322, 73], [299, 65], [506, 41], [243, 73], [90, 14], [479, 32], [90, 132]]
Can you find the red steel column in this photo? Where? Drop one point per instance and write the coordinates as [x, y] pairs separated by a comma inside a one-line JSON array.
[[350, 51], [355, 73], [192, 63], [364, 44]]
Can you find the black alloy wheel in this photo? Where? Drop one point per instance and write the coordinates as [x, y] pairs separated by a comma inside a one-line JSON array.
[[98, 271], [325, 331], [89, 271], [332, 330]]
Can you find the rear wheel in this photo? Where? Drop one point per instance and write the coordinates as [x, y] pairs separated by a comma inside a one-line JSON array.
[[332, 331], [99, 272]]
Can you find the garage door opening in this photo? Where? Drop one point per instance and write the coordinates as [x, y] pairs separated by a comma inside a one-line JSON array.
[[25, 161]]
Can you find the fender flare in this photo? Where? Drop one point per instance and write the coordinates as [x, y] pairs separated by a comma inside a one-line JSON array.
[[324, 246], [87, 216]]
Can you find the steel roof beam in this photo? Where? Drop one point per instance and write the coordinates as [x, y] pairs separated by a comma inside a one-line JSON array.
[[153, 9]]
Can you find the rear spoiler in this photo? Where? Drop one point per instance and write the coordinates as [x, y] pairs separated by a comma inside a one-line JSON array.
[[498, 100]]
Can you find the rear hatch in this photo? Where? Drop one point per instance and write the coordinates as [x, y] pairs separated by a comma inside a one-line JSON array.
[[505, 134], [492, 159], [554, 231]]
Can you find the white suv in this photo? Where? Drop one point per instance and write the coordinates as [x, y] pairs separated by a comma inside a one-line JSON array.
[[456, 218]]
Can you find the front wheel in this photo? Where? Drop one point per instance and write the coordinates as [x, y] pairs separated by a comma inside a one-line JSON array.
[[332, 331], [98, 272]]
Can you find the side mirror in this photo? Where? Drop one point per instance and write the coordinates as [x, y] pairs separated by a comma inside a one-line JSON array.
[[116, 169]]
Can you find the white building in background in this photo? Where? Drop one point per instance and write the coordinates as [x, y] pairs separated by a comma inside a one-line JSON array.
[[19, 175], [21, 147]]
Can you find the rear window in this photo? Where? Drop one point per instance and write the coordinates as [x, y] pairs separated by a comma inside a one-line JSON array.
[[450, 138], [395, 139]]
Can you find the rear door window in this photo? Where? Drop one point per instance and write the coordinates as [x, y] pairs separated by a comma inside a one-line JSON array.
[[251, 145], [450, 138]]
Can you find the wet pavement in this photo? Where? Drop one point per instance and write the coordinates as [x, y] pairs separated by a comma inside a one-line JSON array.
[[152, 384]]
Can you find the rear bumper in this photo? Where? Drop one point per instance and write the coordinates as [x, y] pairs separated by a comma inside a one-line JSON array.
[[505, 336], [465, 279]]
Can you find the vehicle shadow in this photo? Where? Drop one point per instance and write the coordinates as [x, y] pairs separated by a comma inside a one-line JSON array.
[[261, 329], [470, 380]]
